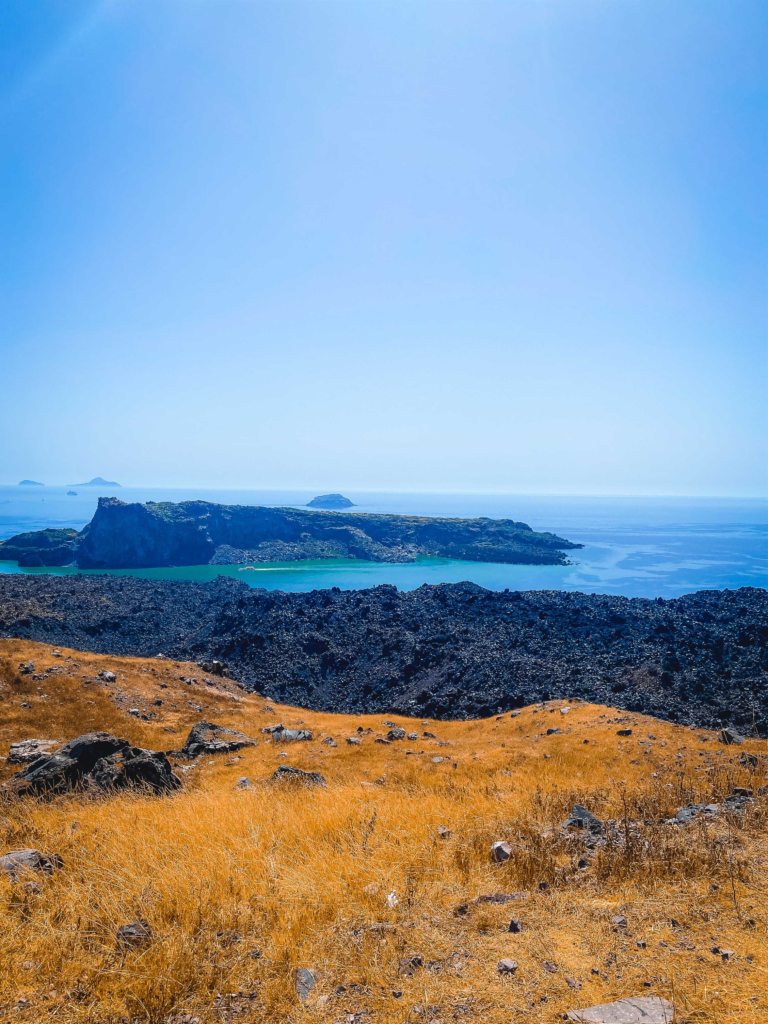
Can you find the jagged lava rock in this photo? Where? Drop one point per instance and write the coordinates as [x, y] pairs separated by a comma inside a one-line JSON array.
[[452, 651]]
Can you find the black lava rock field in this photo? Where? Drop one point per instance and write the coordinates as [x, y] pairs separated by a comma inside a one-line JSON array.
[[448, 651]]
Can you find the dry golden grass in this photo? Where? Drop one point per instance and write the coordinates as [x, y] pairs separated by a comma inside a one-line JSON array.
[[242, 887]]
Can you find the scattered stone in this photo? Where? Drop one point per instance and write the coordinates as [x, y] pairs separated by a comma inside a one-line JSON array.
[[437, 760], [108, 677], [549, 966], [354, 741], [580, 817], [501, 852], [634, 1010], [413, 735], [396, 734], [623, 732], [565, 711], [726, 954], [329, 741], [640, 943], [730, 735], [507, 966], [443, 832], [552, 732], [27, 751], [207, 738], [138, 933], [269, 729], [749, 760], [20, 862], [515, 926], [287, 773], [305, 981], [244, 783], [515, 714], [619, 921], [26, 669], [573, 983], [134, 711], [409, 965], [292, 736], [380, 739], [429, 736]]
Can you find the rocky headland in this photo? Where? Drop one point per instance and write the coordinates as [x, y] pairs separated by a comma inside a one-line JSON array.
[[125, 535], [451, 651]]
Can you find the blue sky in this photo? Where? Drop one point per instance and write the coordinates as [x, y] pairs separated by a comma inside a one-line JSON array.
[[508, 247]]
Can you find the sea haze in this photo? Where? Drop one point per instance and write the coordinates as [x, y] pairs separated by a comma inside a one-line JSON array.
[[638, 547]]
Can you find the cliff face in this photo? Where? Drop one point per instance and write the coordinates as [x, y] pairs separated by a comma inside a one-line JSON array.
[[131, 536]]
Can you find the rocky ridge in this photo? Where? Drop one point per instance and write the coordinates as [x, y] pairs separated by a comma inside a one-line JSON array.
[[449, 651]]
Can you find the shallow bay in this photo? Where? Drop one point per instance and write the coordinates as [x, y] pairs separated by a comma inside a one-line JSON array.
[[638, 547]]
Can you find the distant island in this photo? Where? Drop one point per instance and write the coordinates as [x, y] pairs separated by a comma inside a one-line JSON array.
[[31, 483], [330, 501], [125, 535], [98, 481], [73, 493]]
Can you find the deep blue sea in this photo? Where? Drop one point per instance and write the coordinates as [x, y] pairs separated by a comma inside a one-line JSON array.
[[639, 547]]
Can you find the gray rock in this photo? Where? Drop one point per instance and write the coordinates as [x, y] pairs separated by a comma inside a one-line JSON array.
[[396, 734], [26, 669], [515, 926], [18, 862], [329, 741], [134, 711], [244, 783], [501, 852], [730, 735], [138, 933], [507, 966], [429, 736], [273, 728], [413, 735], [287, 773], [623, 732], [443, 832], [580, 817], [354, 741], [207, 738], [27, 751], [552, 732], [108, 677], [292, 736], [305, 981], [634, 1010]]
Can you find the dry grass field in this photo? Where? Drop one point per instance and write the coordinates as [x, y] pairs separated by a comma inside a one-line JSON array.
[[242, 887]]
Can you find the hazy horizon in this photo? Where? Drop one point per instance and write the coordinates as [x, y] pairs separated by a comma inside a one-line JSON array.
[[424, 247]]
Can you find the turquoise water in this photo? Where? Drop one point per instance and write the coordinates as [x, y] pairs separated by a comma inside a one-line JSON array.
[[639, 547]]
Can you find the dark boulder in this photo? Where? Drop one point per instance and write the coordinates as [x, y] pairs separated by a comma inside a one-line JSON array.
[[68, 766], [135, 767], [207, 738]]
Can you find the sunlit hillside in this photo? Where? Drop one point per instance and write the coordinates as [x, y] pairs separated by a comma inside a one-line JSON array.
[[377, 882]]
